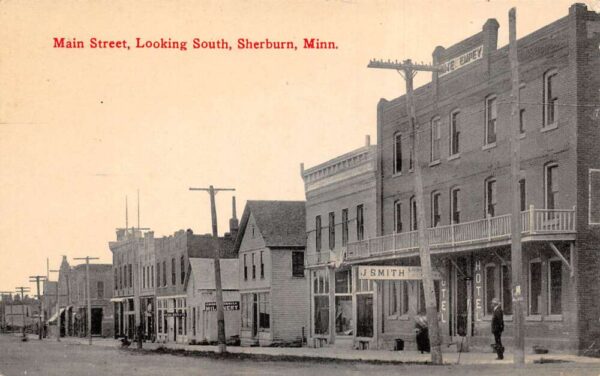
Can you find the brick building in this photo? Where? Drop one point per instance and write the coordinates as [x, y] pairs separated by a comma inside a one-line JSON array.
[[133, 285], [271, 246], [102, 319], [464, 117], [340, 208], [172, 263]]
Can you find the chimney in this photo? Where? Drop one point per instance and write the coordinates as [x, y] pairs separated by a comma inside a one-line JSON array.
[[233, 222], [490, 35], [367, 140]]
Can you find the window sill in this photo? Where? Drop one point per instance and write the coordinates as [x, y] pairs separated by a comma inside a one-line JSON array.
[[453, 156], [549, 127], [522, 135], [553, 318], [396, 174], [533, 318], [488, 146], [434, 163]]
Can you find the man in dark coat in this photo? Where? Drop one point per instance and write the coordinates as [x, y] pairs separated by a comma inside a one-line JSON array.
[[498, 327]]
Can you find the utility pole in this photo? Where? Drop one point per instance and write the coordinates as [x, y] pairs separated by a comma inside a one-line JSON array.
[[515, 165], [2, 295], [58, 323], [36, 279], [222, 348], [22, 290], [89, 300], [409, 70]]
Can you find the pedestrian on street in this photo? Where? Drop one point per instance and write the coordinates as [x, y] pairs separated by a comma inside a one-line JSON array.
[[422, 332], [498, 327]]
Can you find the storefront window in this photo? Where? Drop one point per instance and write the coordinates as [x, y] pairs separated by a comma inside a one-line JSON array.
[[321, 301], [555, 287], [506, 290], [343, 315], [535, 287], [264, 312], [342, 282]]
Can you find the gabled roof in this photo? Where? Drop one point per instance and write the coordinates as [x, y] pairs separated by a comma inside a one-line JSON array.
[[282, 224], [203, 272]]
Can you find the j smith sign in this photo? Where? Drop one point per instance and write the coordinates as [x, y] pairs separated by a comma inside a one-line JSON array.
[[462, 60], [393, 272]]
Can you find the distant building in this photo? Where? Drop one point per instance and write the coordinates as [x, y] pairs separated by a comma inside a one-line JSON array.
[[201, 299], [340, 208], [133, 283], [100, 287], [271, 246]]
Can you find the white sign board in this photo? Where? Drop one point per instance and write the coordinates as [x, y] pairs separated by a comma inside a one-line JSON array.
[[461, 61], [393, 272]]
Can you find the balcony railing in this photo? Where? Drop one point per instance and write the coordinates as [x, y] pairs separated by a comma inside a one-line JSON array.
[[533, 221], [318, 258]]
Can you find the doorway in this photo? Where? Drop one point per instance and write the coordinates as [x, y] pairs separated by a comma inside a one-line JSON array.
[[96, 321], [459, 298]]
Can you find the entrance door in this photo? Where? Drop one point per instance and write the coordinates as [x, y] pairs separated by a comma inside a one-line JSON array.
[[96, 321], [364, 315], [459, 298], [254, 315]]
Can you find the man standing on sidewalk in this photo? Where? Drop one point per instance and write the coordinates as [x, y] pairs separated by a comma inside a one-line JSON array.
[[498, 327]]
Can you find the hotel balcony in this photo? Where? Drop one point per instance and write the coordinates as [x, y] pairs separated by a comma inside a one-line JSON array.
[[536, 225]]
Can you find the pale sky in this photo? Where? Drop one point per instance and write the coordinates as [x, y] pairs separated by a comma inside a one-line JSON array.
[[80, 129]]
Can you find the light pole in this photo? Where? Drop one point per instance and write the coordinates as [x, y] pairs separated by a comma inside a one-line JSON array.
[[58, 323]]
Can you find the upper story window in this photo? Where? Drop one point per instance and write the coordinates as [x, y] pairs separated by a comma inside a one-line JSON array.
[[344, 227], [521, 111], [297, 264], [100, 290], [253, 267], [173, 272], [523, 194], [550, 98], [436, 135], [397, 153], [397, 216], [116, 283], [245, 268], [551, 188], [164, 270], [455, 205], [491, 116], [318, 233], [490, 198], [413, 213], [454, 133], [360, 222], [262, 265], [435, 209], [158, 274], [331, 230], [182, 262]]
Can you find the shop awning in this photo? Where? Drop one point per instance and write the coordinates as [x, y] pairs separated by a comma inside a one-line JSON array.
[[53, 318]]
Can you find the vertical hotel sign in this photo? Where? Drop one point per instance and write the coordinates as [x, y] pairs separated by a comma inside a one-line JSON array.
[[461, 61]]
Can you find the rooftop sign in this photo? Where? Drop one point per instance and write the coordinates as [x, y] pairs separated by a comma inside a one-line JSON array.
[[461, 61]]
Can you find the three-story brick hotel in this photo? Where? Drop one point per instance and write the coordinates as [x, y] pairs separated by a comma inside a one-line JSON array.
[[464, 120]]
